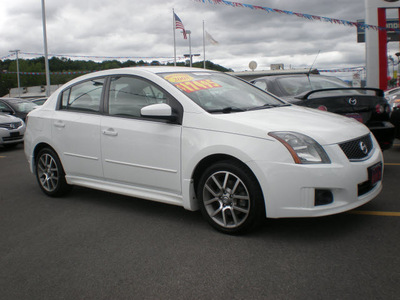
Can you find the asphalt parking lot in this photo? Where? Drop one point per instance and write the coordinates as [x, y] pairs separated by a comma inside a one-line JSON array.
[[96, 245]]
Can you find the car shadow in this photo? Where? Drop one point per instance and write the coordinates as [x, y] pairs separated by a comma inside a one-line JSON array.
[[310, 229]]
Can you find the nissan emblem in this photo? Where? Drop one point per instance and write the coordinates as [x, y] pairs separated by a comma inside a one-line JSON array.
[[363, 147]]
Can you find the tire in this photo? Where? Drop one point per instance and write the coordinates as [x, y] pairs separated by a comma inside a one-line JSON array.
[[50, 174], [230, 197]]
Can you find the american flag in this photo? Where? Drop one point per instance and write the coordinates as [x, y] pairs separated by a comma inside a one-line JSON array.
[[179, 25]]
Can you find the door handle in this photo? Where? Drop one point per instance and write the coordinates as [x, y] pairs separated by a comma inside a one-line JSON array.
[[110, 132], [59, 124]]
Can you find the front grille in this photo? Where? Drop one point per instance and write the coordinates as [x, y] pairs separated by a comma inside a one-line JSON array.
[[13, 138], [11, 126], [358, 149]]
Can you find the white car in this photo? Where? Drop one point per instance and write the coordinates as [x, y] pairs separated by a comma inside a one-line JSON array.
[[12, 130], [201, 140]]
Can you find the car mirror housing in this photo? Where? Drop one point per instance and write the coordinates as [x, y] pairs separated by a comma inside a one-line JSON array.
[[158, 111]]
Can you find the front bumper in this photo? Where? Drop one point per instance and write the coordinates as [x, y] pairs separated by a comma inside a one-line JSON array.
[[290, 189], [8, 137]]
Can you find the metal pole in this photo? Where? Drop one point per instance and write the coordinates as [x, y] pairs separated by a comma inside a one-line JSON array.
[[46, 59], [173, 30], [18, 81], [188, 32], [204, 47]]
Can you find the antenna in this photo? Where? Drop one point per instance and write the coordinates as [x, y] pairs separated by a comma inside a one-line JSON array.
[[309, 71]]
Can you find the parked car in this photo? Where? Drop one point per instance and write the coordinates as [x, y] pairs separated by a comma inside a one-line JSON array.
[[203, 140], [393, 96], [331, 94], [12, 130], [16, 107]]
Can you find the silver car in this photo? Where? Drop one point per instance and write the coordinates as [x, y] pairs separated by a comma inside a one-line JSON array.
[[12, 130]]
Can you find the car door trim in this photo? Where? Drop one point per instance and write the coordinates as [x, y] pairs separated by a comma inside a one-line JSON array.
[[81, 156], [140, 166]]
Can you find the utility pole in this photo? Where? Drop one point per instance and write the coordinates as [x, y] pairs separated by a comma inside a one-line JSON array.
[[46, 59], [19, 85]]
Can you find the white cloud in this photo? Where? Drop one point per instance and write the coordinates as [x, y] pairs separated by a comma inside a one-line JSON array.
[[134, 28]]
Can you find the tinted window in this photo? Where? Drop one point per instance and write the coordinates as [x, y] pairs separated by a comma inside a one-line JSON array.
[[85, 96], [295, 85], [4, 107], [128, 95]]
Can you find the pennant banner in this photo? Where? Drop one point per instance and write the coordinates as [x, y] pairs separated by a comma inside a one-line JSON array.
[[355, 69], [51, 73], [300, 15], [161, 58]]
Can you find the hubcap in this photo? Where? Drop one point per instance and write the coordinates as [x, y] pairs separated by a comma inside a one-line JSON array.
[[47, 172], [226, 199]]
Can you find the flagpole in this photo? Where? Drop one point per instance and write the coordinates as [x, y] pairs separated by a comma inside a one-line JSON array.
[[204, 48], [173, 29]]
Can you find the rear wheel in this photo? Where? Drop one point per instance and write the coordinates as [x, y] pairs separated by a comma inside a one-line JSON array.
[[230, 198], [50, 173]]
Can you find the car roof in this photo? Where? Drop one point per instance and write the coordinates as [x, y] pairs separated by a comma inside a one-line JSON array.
[[14, 100], [139, 71], [272, 77]]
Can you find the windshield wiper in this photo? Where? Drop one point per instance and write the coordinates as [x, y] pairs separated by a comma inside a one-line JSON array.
[[267, 105], [226, 110]]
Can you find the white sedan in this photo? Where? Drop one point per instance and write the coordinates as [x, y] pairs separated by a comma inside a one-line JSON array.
[[12, 130], [201, 140]]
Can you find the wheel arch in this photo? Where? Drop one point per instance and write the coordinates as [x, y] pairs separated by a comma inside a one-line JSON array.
[[36, 151], [203, 164]]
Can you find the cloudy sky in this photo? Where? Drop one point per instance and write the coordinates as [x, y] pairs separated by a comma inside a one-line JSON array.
[[142, 29]]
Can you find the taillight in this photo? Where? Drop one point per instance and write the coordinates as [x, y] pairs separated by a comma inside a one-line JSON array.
[[323, 108], [379, 109]]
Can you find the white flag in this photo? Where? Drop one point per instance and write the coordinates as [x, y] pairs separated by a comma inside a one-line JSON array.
[[211, 39]]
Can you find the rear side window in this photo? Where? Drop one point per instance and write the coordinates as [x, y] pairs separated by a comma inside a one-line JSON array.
[[85, 96]]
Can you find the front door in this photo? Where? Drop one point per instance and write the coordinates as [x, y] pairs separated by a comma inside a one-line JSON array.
[[141, 152]]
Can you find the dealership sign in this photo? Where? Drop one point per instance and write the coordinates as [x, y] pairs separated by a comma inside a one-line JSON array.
[[392, 34]]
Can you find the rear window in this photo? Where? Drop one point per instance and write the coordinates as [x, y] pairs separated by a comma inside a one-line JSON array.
[[297, 85]]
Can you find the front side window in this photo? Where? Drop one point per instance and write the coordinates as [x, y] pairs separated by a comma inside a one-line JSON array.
[[4, 107], [85, 96], [128, 95], [220, 93]]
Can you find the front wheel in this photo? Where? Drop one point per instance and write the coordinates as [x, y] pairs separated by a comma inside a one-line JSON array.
[[230, 197], [50, 173]]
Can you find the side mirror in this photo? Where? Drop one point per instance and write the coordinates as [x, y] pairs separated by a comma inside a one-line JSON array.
[[158, 111]]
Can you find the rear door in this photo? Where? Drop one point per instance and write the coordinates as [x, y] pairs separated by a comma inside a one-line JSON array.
[[76, 129]]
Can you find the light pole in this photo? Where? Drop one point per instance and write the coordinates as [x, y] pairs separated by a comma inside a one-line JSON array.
[[398, 68], [19, 86], [46, 59], [188, 32]]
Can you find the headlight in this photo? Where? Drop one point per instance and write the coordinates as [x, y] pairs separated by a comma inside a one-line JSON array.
[[303, 149]]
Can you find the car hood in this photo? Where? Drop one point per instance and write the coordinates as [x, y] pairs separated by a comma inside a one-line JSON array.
[[324, 127], [4, 118]]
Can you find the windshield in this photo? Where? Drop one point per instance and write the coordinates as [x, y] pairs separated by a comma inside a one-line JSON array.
[[220, 93], [23, 106], [296, 85]]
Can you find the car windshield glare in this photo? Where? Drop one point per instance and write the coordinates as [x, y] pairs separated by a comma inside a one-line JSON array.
[[296, 85], [25, 106], [221, 93]]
